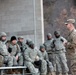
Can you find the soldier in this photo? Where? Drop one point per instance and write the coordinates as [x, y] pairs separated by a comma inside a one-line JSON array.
[[15, 50], [45, 57], [4, 52], [49, 49], [59, 44], [33, 57], [21, 44], [71, 45], [27, 42]]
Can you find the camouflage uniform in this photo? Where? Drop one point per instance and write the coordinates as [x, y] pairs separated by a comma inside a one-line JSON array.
[[4, 52], [45, 57], [60, 54], [27, 42], [22, 46], [72, 48], [16, 52], [50, 50], [30, 58]]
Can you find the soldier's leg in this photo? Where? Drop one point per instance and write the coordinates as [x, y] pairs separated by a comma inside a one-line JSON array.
[[52, 60], [64, 62], [58, 65], [73, 68], [52, 71], [20, 60], [43, 67], [1, 60], [8, 60], [32, 69], [14, 61]]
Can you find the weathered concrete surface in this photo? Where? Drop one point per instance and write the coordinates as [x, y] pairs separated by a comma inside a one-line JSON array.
[[17, 18]]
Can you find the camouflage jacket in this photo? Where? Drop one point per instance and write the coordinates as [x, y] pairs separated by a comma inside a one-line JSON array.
[[72, 41], [15, 50], [3, 49]]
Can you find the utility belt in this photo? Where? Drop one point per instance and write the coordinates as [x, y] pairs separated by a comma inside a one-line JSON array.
[[61, 50], [50, 52]]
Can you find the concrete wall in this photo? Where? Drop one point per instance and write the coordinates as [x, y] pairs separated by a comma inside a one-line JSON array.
[[17, 18]]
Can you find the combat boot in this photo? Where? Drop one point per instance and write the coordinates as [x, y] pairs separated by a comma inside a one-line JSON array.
[[66, 74], [16, 71], [60, 74], [9, 72], [53, 73], [43, 74]]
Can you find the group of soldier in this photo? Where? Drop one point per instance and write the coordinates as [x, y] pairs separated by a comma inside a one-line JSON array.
[[49, 57]]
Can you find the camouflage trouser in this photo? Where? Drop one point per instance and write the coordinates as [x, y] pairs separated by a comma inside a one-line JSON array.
[[8, 60], [34, 70], [14, 61], [31, 67], [73, 69], [20, 60], [61, 60], [52, 59], [50, 66], [44, 67], [73, 64]]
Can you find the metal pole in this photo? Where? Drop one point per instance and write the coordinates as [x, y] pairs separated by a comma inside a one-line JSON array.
[[1, 72], [23, 71], [34, 22], [42, 20]]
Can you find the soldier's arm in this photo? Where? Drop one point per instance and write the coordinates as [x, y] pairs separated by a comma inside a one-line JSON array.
[[24, 47], [18, 50], [40, 55], [48, 62], [72, 44], [53, 44], [46, 57], [74, 38], [64, 41], [26, 56], [2, 52], [45, 46]]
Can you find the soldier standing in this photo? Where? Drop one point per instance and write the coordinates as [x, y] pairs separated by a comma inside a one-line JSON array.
[[59, 44], [71, 45], [49, 49]]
